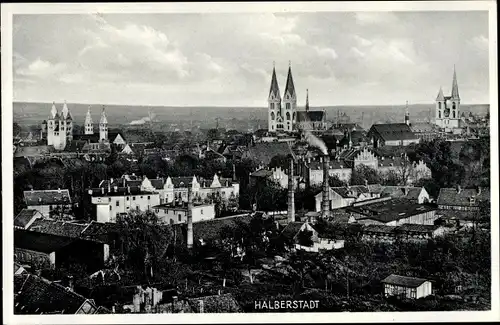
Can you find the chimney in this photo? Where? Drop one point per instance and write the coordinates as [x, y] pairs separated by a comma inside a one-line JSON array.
[[200, 306], [325, 204], [102, 190], [459, 189], [291, 195], [190, 220]]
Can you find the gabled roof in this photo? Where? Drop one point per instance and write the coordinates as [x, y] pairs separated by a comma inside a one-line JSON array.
[[310, 116], [404, 281], [292, 229], [58, 228], [290, 87], [46, 197], [274, 89], [26, 217], [37, 295], [451, 196], [393, 131], [224, 303]]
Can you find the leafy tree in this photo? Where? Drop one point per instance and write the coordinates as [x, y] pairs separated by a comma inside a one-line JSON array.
[[364, 173], [430, 185], [280, 161], [391, 178], [143, 241], [334, 181]]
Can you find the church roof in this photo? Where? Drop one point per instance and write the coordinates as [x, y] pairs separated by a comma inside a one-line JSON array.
[[275, 89], [454, 87], [440, 95], [393, 131], [290, 88], [310, 116]]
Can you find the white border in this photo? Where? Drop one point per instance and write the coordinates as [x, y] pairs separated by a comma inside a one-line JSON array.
[[8, 10]]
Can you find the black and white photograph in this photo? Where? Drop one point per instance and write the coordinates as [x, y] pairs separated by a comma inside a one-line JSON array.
[[337, 161]]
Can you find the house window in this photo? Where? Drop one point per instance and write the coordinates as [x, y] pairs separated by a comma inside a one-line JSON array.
[[117, 203], [272, 116], [149, 197], [201, 211], [439, 104], [413, 293], [109, 199], [110, 207], [454, 105], [287, 105], [128, 199], [180, 217], [439, 114], [133, 198]]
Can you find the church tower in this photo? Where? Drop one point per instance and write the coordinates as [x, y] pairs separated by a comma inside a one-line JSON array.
[[52, 125], [103, 127], [407, 115], [289, 102], [274, 104], [440, 105], [455, 99], [66, 125], [89, 125]]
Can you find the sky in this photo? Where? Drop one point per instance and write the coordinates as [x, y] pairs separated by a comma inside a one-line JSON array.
[[219, 59]]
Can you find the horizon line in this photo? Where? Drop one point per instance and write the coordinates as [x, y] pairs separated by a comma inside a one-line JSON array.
[[230, 106]]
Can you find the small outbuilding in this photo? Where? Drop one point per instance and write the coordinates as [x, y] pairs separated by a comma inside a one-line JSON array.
[[406, 287]]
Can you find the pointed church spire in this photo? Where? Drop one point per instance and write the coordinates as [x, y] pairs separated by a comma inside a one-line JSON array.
[[307, 100], [275, 90], [104, 120], [290, 88], [440, 95], [53, 111], [454, 87]]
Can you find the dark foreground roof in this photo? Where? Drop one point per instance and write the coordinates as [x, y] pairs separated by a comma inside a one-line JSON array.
[[404, 281], [36, 295]]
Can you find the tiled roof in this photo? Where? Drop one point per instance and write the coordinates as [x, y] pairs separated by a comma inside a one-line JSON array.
[[380, 229], [292, 229], [157, 183], [416, 228], [410, 193], [310, 116], [58, 228], [75, 146], [451, 196], [262, 173], [33, 151], [404, 281], [183, 181], [393, 131], [92, 138], [457, 214], [224, 303], [333, 164], [47, 197], [40, 296], [421, 127], [25, 217], [390, 210]]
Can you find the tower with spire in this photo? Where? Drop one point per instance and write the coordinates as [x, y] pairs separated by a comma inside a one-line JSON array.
[[448, 107], [289, 102], [103, 126], [274, 104], [59, 127], [89, 125]]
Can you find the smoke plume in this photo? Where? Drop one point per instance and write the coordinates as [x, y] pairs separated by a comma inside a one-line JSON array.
[[313, 140], [143, 120]]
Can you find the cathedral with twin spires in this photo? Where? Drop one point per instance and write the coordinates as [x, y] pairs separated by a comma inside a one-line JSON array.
[[448, 107], [58, 128]]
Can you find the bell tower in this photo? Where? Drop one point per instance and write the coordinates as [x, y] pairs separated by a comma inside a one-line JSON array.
[[289, 102], [274, 103]]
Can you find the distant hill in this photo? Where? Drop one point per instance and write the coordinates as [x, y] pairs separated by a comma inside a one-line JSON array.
[[34, 113]]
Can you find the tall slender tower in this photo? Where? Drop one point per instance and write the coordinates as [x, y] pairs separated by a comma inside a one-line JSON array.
[[307, 100], [89, 125], [407, 115], [103, 126], [455, 100], [440, 107], [274, 103], [290, 102]]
